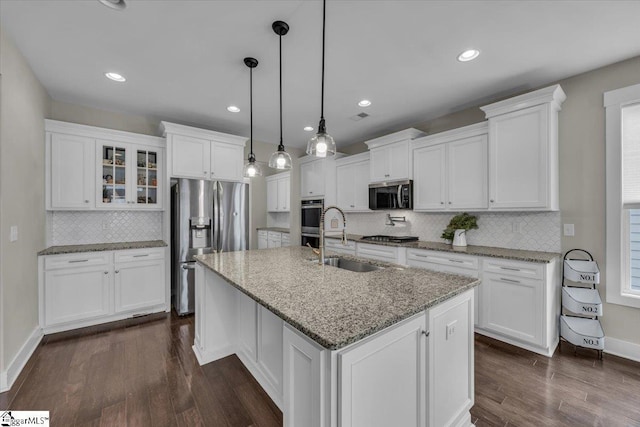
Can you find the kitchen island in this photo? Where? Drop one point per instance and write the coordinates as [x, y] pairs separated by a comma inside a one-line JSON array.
[[333, 347]]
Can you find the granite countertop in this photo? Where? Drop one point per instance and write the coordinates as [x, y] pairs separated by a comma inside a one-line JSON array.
[[487, 251], [99, 247], [332, 306], [278, 229]]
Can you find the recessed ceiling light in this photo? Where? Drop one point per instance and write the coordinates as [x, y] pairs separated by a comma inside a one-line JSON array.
[[364, 103], [115, 77], [233, 109], [308, 128], [114, 4], [468, 55]]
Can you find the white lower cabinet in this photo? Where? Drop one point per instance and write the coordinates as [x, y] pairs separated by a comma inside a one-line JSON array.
[[270, 347], [83, 289], [263, 239], [273, 239], [383, 380]]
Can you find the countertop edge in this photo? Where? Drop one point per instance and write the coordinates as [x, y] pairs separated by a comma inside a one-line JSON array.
[[101, 247]]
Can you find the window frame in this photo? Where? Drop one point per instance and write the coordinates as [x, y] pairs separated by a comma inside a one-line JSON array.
[[617, 220]]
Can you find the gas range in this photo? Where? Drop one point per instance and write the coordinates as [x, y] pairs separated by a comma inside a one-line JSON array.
[[391, 239]]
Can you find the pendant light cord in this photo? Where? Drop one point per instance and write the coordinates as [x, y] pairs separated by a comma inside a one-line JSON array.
[[281, 147], [251, 109], [324, 19]]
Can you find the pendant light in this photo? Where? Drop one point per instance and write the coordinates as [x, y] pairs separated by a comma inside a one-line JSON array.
[[251, 168], [280, 159], [322, 144]]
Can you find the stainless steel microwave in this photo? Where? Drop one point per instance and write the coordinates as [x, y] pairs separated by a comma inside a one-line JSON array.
[[391, 195]]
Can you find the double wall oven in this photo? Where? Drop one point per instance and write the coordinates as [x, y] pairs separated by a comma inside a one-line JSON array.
[[310, 221]]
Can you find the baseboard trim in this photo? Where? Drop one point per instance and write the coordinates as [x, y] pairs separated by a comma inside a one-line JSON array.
[[548, 352], [8, 377], [621, 348]]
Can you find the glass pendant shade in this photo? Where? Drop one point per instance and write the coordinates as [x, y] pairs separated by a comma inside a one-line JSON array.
[[280, 159], [321, 145], [251, 168]]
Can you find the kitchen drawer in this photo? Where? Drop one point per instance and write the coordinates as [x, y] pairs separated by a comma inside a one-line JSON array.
[[513, 268], [379, 252], [274, 235], [336, 245], [286, 237], [139, 254], [82, 259], [456, 261], [262, 233]]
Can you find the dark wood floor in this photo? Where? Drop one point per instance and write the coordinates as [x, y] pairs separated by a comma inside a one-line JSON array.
[[142, 372]]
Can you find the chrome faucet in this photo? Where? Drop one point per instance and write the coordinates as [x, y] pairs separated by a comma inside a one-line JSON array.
[[344, 232]]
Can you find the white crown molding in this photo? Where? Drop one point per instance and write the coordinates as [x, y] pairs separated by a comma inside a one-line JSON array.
[[279, 175], [307, 159], [403, 135], [167, 128], [101, 133], [8, 377], [552, 94], [355, 158], [622, 95], [476, 129]]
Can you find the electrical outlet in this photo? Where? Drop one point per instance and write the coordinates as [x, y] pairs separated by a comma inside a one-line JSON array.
[[13, 234], [451, 329], [106, 225], [569, 230]]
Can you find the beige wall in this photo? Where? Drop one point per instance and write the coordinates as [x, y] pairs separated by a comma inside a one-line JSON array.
[[23, 106], [582, 176]]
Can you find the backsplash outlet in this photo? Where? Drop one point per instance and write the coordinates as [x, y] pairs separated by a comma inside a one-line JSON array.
[[78, 228], [536, 231]]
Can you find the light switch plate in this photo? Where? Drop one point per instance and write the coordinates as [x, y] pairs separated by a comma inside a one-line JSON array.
[[569, 230], [13, 234]]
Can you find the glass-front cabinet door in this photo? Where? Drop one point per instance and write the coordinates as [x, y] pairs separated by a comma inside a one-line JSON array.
[[130, 176], [147, 177], [114, 174]]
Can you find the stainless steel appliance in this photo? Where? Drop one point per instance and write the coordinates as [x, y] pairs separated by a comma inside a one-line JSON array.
[[311, 210], [391, 195], [206, 216]]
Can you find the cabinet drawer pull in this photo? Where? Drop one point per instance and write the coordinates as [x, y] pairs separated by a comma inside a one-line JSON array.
[[86, 201], [504, 279], [117, 271], [106, 272], [510, 268], [425, 333], [456, 260], [421, 256], [77, 260], [140, 256]]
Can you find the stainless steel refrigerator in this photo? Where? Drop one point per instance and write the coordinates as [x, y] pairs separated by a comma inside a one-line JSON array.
[[206, 217]]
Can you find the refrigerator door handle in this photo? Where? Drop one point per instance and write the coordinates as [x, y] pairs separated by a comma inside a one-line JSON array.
[[189, 266]]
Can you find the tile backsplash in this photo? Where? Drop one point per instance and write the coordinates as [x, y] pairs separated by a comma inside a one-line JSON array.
[[278, 219], [74, 228], [537, 231]]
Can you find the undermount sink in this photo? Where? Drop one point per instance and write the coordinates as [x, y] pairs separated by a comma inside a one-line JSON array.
[[351, 265]]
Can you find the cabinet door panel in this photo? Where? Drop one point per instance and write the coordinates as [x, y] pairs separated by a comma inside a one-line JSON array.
[[467, 173], [263, 242], [379, 164], [146, 177], [73, 294], [518, 166], [272, 196], [361, 186], [383, 380], [139, 285], [72, 171], [306, 179], [283, 194], [513, 307], [247, 335], [429, 178], [399, 161], [115, 173], [345, 188], [190, 157], [226, 161], [270, 347]]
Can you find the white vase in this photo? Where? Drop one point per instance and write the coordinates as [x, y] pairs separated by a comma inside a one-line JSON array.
[[460, 237]]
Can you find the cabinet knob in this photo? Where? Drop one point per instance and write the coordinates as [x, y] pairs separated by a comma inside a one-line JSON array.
[[442, 203], [117, 271], [106, 272], [491, 200], [86, 201], [352, 206], [205, 172], [386, 175], [425, 333], [310, 192], [449, 202]]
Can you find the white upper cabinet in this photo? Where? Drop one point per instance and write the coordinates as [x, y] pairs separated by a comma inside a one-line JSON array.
[[390, 156], [203, 154], [523, 151], [89, 168], [71, 166], [450, 170], [352, 175], [312, 178], [278, 192]]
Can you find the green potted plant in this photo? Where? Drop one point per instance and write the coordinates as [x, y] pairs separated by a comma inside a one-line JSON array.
[[457, 228]]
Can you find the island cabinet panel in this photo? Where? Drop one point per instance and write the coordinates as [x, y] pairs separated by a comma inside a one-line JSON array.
[[304, 376], [450, 356], [269, 354], [247, 326], [383, 380]]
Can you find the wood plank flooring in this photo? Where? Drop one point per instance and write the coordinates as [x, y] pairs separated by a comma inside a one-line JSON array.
[[142, 372]]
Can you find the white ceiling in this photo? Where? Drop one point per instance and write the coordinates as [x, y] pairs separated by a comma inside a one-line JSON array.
[[183, 59]]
